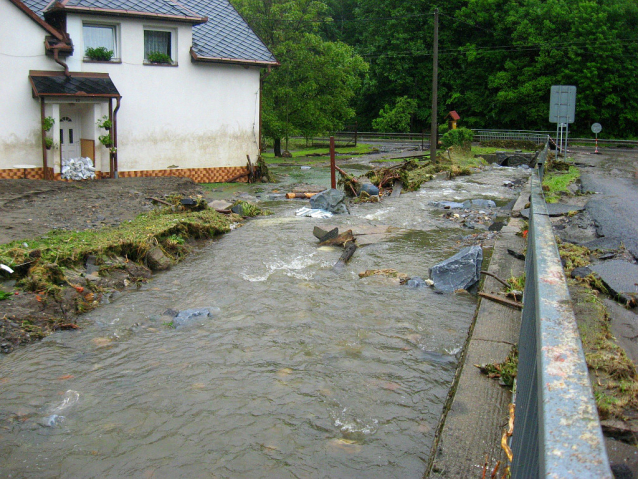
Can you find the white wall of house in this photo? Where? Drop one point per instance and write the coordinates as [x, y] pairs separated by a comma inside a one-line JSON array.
[[21, 50], [190, 115]]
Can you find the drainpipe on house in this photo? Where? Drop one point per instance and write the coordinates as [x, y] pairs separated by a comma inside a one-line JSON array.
[[56, 57], [114, 122]]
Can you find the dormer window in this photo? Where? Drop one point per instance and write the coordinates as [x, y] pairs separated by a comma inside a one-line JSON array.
[[159, 46], [99, 40]]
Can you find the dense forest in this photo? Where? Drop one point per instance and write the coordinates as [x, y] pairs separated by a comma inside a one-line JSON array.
[[370, 61]]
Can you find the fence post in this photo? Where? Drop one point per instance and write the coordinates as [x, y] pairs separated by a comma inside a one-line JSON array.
[[356, 131], [333, 177]]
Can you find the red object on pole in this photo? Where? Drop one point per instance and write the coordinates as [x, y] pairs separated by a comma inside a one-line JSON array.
[[333, 176]]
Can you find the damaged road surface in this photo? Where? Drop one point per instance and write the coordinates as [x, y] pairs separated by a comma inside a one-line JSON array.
[[300, 371]]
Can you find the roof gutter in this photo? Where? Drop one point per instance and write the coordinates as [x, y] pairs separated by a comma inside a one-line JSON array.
[[233, 61], [61, 7]]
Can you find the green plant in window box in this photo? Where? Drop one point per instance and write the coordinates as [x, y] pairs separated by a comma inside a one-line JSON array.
[[158, 57], [48, 123], [105, 123], [99, 54], [106, 140]]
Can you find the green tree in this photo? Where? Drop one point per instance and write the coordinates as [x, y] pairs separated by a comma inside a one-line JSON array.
[[397, 118], [313, 89]]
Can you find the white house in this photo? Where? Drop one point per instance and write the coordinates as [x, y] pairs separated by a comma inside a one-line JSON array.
[[197, 114]]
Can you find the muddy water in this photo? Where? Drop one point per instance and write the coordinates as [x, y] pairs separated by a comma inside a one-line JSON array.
[[302, 373]]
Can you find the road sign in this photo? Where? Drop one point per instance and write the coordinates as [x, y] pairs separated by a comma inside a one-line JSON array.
[[562, 104], [596, 128]]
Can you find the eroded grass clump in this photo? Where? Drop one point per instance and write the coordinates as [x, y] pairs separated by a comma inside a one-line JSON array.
[[44, 271], [506, 371], [573, 256], [613, 374], [251, 210]]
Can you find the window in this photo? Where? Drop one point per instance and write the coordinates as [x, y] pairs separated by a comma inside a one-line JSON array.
[[159, 46], [96, 36], [99, 36]]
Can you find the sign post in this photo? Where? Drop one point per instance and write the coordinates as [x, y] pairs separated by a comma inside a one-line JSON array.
[[596, 128], [562, 111]]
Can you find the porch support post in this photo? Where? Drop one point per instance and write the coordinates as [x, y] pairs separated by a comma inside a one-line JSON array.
[[112, 132], [45, 165], [115, 165]]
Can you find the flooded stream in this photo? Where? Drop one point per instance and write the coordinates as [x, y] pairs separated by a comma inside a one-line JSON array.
[[303, 372]]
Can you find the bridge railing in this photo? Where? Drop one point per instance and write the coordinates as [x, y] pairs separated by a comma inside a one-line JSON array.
[[556, 430]]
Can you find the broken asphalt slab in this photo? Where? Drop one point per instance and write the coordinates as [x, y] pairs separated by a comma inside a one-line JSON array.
[[556, 209], [620, 277]]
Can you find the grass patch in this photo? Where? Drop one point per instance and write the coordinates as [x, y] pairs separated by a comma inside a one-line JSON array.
[[557, 182], [516, 283]]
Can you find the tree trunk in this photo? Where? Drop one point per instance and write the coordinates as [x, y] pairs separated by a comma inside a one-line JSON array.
[[278, 147]]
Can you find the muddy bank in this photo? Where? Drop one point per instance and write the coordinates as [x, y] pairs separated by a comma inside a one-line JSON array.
[[86, 243], [30, 208]]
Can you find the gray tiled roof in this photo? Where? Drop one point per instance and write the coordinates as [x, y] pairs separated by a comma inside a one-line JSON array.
[[226, 34], [37, 6], [162, 7], [63, 85]]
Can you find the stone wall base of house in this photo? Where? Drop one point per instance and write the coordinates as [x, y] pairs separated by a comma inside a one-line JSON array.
[[198, 175]]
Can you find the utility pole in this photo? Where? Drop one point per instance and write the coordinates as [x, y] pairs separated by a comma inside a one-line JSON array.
[[435, 87]]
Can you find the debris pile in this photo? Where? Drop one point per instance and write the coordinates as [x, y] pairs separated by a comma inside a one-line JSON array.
[[469, 215], [78, 169]]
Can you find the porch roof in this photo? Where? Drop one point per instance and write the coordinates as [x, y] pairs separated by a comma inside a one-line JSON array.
[[78, 85]]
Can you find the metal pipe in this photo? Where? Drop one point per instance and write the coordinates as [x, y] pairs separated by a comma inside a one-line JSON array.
[[56, 57]]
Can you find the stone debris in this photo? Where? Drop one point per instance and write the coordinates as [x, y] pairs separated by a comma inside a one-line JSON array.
[[187, 316], [78, 169], [460, 271], [331, 200], [447, 205], [313, 212]]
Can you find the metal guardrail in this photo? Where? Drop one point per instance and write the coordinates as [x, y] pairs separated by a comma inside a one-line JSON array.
[[537, 137], [556, 430]]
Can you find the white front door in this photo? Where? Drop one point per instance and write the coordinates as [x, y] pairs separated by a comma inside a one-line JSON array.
[[69, 137]]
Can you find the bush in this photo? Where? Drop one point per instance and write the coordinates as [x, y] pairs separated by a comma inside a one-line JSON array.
[[397, 118], [99, 54], [459, 137], [157, 57]]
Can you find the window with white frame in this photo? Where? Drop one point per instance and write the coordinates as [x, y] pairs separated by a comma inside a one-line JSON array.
[[159, 45], [98, 36]]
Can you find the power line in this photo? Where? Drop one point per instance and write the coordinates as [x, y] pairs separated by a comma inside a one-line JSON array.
[[507, 48]]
